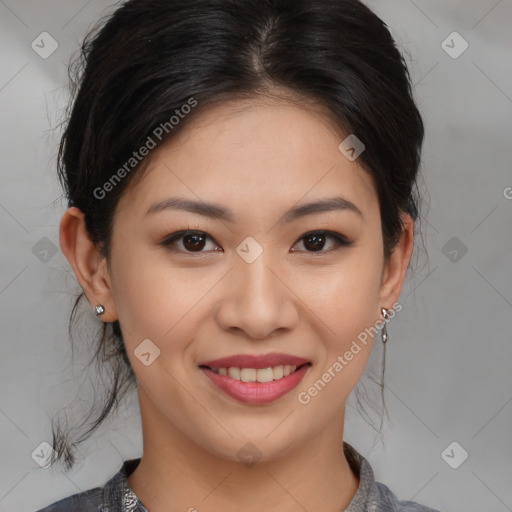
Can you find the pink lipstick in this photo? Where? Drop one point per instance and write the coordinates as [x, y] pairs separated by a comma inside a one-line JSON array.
[[279, 373]]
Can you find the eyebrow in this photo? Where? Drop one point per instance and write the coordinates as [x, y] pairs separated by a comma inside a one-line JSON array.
[[218, 212]]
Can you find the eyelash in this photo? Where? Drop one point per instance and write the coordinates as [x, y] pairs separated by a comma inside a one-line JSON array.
[[170, 240]]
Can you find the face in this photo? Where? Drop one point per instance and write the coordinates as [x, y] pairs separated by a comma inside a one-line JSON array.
[[255, 281]]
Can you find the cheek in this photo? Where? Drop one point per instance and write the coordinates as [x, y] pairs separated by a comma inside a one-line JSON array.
[[161, 302], [155, 302], [150, 298], [346, 297], [346, 302]]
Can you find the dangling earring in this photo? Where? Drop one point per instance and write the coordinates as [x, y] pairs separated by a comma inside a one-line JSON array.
[[384, 332], [99, 309]]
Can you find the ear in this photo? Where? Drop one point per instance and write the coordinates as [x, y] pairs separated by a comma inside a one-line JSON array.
[[394, 271], [89, 266]]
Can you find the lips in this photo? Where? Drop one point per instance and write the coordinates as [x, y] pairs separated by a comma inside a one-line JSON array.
[[256, 392], [255, 361]]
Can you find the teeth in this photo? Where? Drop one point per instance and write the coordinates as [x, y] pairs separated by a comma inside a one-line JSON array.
[[257, 375]]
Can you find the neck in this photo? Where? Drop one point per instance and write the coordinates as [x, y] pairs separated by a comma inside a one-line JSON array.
[[176, 474]]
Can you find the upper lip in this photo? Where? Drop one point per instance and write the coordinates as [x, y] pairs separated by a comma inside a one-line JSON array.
[[255, 361]]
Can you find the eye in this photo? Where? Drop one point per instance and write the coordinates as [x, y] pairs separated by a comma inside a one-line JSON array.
[[194, 241], [315, 240]]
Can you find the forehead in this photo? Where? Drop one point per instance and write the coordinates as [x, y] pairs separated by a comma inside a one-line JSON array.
[[254, 151]]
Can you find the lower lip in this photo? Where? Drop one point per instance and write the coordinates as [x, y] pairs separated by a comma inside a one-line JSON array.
[[256, 392]]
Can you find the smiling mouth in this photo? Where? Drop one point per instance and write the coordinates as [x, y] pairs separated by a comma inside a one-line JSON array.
[[259, 375]]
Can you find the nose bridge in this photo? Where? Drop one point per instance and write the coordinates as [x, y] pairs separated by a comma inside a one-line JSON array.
[[258, 278], [258, 301], [258, 287]]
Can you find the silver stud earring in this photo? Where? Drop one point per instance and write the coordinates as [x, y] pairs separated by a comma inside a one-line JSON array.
[[384, 332], [99, 309]]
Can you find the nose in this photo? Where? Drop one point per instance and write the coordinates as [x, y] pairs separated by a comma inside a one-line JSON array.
[[258, 299]]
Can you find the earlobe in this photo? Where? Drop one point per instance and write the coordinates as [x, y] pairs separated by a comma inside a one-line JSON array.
[[89, 266], [396, 268]]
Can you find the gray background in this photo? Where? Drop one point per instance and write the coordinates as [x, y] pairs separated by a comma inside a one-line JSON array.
[[448, 375]]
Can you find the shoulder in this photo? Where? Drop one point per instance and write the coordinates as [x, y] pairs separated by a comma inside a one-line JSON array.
[[88, 501], [107, 498], [373, 496], [386, 501]]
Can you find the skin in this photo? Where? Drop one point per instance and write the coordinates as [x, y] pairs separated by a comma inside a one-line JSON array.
[[258, 161]]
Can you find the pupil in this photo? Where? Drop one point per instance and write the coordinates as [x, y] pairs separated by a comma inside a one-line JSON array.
[[316, 245], [194, 245]]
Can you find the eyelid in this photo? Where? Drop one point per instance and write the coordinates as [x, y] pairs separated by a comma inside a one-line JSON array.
[[340, 240]]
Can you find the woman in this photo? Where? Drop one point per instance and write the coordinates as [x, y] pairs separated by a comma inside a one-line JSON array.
[[240, 179]]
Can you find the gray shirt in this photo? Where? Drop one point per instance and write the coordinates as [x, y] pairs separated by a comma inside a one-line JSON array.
[[116, 495]]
